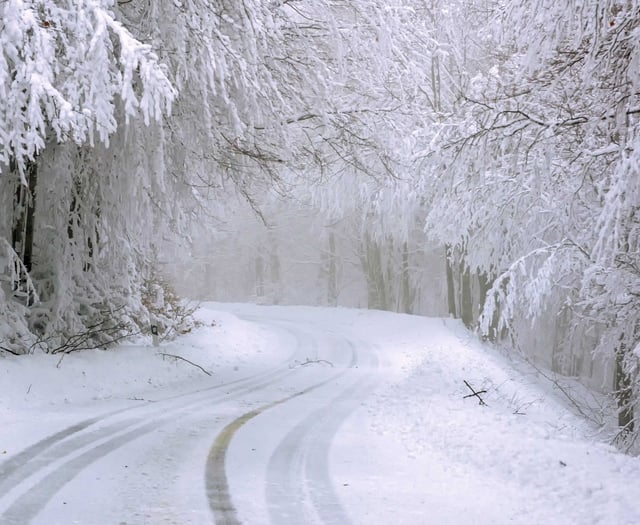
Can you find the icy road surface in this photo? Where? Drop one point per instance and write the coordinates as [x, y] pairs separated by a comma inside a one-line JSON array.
[[309, 416]]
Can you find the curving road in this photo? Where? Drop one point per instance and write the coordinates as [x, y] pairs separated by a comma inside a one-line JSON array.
[[249, 450]]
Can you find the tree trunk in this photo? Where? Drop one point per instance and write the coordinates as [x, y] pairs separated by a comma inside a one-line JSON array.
[[484, 285], [259, 276], [274, 271], [485, 282], [332, 273], [451, 292], [371, 261], [407, 293], [466, 301], [24, 207], [623, 386], [24, 216]]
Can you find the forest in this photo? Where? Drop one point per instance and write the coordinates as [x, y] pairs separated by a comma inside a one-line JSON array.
[[469, 158]]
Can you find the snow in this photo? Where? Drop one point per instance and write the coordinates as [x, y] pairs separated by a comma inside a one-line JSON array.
[[349, 416], [96, 382], [523, 459]]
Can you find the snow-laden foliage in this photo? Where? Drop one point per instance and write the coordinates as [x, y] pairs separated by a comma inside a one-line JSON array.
[[501, 133], [356, 81], [71, 76], [537, 180], [270, 87], [64, 68], [98, 175]]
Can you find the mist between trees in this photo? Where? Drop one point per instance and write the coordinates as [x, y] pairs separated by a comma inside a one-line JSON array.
[[469, 158]]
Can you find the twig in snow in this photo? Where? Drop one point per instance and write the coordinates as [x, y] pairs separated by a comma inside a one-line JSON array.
[[311, 361], [475, 394], [9, 351], [186, 360], [565, 391]]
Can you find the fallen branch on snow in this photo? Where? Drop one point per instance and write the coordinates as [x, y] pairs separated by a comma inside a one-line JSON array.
[[310, 362], [8, 350], [475, 394], [186, 360]]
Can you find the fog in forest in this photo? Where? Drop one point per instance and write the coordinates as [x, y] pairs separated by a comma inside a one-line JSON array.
[[291, 255], [467, 159]]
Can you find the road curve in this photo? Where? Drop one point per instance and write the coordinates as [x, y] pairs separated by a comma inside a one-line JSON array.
[[297, 405], [297, 483], [32, 478]]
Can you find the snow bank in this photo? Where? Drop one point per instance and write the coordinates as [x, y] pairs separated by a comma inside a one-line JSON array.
[[99, 381], [524, 458], [416, 451]]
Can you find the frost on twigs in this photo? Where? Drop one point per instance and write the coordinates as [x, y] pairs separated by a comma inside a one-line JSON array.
[[64, 70], [172, 315], [108, 328], [14, 276], [17, 291]]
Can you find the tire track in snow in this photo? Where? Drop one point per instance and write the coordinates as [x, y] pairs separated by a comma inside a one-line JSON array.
[[216, 481], [299, 486], [68, 440], [17, 462], [39, 471], [28, 506]]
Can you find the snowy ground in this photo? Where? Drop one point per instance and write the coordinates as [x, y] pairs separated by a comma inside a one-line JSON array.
[[311, 416]]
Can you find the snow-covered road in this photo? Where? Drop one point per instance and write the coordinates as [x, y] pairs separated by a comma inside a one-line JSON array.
[[310, 416], [273, 459], [261, 440]]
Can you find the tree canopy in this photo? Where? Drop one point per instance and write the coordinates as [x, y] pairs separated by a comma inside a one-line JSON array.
[[500, 134]]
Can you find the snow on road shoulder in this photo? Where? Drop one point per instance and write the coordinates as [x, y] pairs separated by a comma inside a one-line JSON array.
[[523, 459], [38, 390], [415, 452]]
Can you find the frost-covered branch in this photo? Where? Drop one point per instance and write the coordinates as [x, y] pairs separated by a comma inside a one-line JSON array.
[[63, 71]]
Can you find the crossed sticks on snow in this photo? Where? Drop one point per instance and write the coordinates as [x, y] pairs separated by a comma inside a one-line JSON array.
[[475, 394]]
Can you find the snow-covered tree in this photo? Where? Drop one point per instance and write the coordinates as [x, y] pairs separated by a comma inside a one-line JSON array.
[[539, 181], [98, 174], [70, 76]]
